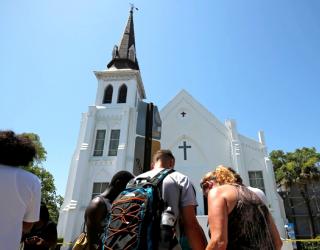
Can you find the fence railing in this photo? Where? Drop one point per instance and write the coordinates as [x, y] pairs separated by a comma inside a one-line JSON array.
[[306, 244]]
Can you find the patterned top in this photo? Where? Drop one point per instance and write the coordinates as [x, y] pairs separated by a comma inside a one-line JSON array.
[[248, 223]]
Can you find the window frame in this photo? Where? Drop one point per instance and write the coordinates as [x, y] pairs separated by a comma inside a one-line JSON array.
[[99, 140], [256, 181], [113, 148], [122, 94], [106, 94], [101, 187]]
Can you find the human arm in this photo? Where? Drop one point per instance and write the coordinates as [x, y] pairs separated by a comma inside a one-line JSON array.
[[31, 188], [221, 201], [192, 228], [26, 227], [274, 233], [94, 214], [218, 220]]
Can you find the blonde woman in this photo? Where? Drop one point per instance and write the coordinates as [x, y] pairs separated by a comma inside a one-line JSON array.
[[238, 219]]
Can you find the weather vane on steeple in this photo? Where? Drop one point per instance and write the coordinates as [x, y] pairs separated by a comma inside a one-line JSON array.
[[132, 8]]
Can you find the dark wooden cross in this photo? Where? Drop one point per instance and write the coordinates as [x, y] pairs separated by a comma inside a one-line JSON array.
[[185, 149], [183, 113]]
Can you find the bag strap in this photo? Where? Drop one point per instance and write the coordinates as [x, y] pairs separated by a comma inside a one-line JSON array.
[[106, 202], [160, 176]]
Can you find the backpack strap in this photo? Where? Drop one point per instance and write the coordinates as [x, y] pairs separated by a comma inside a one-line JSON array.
[[160, 176], [106, 202], [148, 180]]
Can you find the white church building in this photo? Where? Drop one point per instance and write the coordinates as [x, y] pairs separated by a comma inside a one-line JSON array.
[[106, 142]]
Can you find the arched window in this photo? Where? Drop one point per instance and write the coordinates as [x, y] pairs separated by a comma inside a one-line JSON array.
[[107, 98], [122, 96]]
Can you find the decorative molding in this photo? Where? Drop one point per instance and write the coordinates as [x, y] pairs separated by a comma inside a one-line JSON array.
[[70, 206], [252, 147], [237, 148], [84, 146], [105, 116], [115, 74], [230, 147], [108, 79], [101, 161]]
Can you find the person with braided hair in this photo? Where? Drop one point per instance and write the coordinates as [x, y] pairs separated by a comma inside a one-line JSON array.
[[238, 219]]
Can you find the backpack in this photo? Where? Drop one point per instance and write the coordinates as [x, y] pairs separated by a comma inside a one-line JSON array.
[[135, 215]]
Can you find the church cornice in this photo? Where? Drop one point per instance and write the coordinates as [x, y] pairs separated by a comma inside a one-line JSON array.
[[253, 148], [102, 161], [110, 117]]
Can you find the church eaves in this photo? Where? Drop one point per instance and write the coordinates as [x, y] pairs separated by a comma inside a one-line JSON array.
[[124, 56]]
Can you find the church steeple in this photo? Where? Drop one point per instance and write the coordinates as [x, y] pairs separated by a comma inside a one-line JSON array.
[[124, 56]]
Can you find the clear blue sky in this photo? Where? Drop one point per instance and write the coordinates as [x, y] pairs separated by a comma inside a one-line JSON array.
[[254, 61]]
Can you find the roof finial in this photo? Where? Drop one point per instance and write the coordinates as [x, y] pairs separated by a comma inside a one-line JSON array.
[[132, 8]]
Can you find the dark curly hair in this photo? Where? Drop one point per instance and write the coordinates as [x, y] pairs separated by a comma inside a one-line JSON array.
[[16, 150]]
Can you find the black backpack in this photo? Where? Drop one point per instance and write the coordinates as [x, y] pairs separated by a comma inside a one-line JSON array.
[[135, 215]]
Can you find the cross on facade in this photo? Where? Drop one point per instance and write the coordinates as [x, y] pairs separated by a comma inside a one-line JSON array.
[[183, 113], [185, 149]]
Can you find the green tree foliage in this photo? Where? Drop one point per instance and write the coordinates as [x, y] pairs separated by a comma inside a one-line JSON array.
[[297, 167], [48, 189]]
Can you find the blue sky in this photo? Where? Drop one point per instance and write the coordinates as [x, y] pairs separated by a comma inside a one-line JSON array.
[[257, 62]]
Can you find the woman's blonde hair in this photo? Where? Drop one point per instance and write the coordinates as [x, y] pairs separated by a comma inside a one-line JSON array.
[[221, 175]]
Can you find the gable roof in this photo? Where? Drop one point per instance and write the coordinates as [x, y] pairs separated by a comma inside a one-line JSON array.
[[184, 96]]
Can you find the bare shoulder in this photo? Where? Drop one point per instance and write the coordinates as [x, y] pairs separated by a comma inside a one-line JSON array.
[[223, 190], [226, 194], [95, 206]]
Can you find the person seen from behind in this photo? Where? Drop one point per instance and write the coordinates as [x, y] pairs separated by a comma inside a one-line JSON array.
[[178, 193], [98, 211], [257, 191], [43, 235], [238, 219], [20, 191]]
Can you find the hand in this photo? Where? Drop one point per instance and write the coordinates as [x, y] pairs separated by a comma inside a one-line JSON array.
[[34, 240], [40, 241]]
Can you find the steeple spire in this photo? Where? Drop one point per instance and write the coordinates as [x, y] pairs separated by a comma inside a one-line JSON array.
[[124, 56]]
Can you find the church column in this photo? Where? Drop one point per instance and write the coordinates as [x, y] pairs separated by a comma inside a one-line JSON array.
[[74, 208], [271, 191], [270, 180], [84, 153], [236, 150], [123, 141], [275, 199]]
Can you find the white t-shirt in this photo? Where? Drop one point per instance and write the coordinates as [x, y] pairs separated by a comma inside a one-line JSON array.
[[20, 194], [260, 194]]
